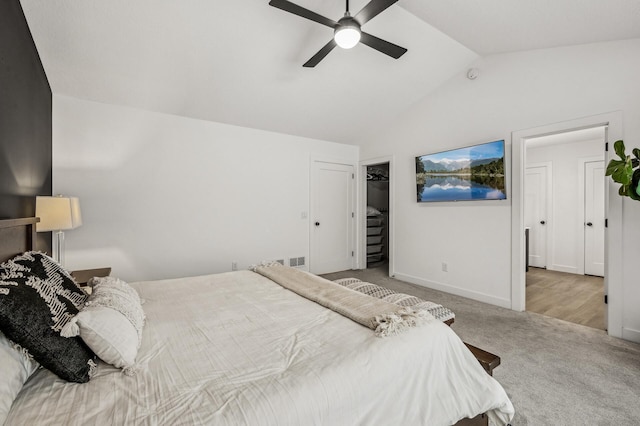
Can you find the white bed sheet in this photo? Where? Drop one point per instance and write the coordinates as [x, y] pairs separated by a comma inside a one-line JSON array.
[[237, 349]]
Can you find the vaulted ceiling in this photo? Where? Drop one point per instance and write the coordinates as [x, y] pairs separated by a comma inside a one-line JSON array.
[[240, 61]]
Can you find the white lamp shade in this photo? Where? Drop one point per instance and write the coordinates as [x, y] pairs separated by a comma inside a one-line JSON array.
[[347, 36], [57, 213], [76, 214]]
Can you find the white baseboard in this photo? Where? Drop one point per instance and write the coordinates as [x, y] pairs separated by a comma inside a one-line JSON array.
[[565, 268], [631, 334], [470, 294]]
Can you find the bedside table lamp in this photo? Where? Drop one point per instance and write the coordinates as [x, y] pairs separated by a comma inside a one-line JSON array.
[[58, 214]]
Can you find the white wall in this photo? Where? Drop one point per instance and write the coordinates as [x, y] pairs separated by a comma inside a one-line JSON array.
[[513, 92], [165, 196], [566, 233]]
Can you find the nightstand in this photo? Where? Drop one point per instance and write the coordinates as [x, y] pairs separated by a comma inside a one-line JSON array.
[[83, 276]]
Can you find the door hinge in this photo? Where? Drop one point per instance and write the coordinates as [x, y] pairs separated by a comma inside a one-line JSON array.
[[353, 214], [606, 223], [606, 300], [352, 254], [353, 176], [606, 146]]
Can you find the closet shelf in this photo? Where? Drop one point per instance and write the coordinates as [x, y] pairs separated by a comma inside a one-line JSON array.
[[375, 239]]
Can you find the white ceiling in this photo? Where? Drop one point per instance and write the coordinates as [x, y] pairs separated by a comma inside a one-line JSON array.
[[498, 26], [240, 61]]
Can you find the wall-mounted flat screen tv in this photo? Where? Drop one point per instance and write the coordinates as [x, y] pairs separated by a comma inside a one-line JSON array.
[[472, 173]]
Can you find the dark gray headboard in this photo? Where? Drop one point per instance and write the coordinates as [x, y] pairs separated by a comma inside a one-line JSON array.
[[17, 236]]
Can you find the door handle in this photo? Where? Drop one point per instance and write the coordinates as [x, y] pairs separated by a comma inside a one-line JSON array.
[[317, 223], [589, 224], [542, 222]]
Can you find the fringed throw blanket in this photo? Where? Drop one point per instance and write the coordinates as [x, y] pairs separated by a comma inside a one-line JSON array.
[[439, 312], [383, 317]]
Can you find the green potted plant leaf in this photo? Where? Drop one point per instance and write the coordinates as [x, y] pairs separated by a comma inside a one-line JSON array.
[[626, 171]]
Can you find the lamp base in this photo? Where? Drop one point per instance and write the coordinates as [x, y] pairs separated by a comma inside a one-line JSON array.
[[58, 251]]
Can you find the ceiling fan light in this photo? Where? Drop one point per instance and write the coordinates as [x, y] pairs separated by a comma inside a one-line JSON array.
[[347, 36]]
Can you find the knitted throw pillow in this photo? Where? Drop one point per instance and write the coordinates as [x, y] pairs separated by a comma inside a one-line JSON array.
[[37, 299]]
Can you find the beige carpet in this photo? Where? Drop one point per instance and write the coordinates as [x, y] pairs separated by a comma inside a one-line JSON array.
[[555, 372]]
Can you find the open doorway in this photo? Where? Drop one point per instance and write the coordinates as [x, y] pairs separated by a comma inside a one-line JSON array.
[[564, 218], [613, 212], [377, 216]]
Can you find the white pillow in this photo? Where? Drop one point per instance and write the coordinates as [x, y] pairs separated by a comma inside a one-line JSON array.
[[109, 334], [16, 366], [110, 323]]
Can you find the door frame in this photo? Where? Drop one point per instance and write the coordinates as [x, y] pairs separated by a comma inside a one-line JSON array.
[[582, 162], [613, 213], [354, 196], [550, 220], [361, 223]]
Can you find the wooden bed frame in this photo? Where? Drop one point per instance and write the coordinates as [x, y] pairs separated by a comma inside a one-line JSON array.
[[19, 235]]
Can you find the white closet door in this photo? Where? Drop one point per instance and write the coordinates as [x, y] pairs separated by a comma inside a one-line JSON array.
[[535, 214], [594, 218], [332, 217]]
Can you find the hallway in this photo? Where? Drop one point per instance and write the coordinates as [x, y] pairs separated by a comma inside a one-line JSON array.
[[570, 297]]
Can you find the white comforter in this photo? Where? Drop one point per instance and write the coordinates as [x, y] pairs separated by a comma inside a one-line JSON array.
[[238, 349]]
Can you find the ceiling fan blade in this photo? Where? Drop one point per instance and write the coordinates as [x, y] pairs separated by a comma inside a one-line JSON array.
[[372, 9], [287, 6], [320, 55], [380, 45]]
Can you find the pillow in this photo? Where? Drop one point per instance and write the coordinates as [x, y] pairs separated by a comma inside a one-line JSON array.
[[16, 366], [111, 323], [37, 299]]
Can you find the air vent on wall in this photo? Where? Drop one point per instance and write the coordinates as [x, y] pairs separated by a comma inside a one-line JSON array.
[[296, 261]]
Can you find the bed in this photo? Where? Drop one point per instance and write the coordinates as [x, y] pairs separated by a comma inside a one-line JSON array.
[[239, 349]]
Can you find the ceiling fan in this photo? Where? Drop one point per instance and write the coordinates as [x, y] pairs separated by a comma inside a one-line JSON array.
[[347, 32]]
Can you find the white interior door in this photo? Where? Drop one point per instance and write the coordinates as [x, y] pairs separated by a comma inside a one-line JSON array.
[[535, 214], [594, 218], [332, 217]]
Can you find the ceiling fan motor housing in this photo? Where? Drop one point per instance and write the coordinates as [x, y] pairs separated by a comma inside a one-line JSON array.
[[347, 32]]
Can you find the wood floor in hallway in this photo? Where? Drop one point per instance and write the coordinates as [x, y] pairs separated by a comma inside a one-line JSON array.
[[575, 298]]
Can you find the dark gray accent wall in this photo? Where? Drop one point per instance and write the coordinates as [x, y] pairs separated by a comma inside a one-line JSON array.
[[25, 120]]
